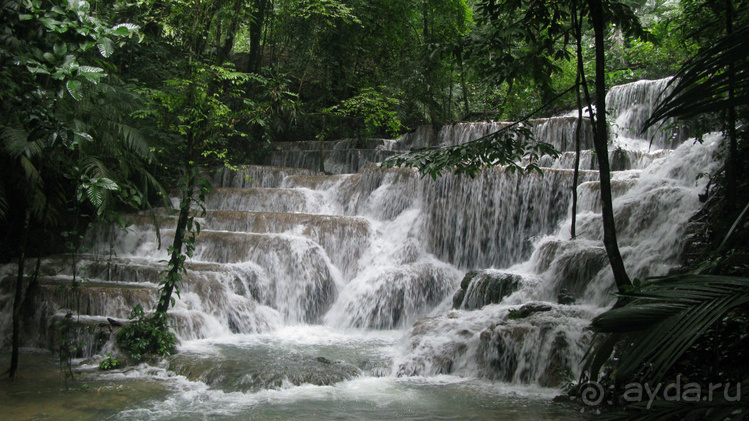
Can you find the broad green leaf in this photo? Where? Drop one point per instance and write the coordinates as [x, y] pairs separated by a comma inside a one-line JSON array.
[[75, 88], [124, 29], [69, 64], [121, 31], [37, 70], [95, 196], [51, 24], [129, 26], [93, 74], [106, 46], [60, 49], [85, 46], [107, 184], [84, 136]]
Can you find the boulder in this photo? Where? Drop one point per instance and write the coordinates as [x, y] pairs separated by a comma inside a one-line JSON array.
[[529, 309], [565, 297], [483, 287]]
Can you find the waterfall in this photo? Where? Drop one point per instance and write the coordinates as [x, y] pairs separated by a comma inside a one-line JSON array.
[[478, 277], [530, 326], [632, 104]]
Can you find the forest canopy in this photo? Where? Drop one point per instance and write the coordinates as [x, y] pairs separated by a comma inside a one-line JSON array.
[[111, 107], [103, 103]]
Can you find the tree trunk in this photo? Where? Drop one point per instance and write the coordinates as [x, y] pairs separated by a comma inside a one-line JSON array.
[[732, 160], [32, 290], [580, 78], [176, 260], [18, 300], [600, 139], [463, 84], [576, 174], [225, 49], [256, 33]]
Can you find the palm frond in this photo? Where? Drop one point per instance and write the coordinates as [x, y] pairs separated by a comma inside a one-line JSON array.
[[133, 140], [14, 140], [37, 202], [95, 167], [151, 181], [633, 318], [598, 354], [666, 317], [703, 82], [31, 173], [16, 143]]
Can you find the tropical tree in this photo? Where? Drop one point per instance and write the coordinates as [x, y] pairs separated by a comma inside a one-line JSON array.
[[511, 37], [600, 141], [54, 55], [519, 36], [196, 108], [333, 49], [193, 111]]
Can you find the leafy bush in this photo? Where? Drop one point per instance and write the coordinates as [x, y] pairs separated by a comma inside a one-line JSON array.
[[145, 336], [376, 111], [109, 363]]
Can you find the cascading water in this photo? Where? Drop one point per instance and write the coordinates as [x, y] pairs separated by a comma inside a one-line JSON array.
[[386, 292]]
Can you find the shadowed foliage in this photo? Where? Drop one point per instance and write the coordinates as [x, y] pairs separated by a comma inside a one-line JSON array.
[[702, 84], [663, 322]]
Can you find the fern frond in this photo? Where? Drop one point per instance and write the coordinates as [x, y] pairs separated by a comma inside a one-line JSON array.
[[134, 140], [31, 173], [15, 141], [96, 168]]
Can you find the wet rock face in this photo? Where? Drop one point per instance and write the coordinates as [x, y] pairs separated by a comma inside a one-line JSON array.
[[479, 288], [268, 370], [394, 297], [530, 309], [620, 160], [565, 297], [458, 298], [432, 357], [505, 355], [506, 362], [573, 270], [345, 156], [545, 347], [83, 336]]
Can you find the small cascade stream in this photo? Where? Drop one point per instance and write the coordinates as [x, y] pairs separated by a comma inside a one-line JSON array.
[[376, 293]]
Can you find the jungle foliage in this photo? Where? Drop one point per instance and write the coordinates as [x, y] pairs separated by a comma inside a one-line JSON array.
[[692, 326], [106, 105]]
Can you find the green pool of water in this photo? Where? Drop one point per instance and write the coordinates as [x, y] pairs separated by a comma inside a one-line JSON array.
[[157, 393]]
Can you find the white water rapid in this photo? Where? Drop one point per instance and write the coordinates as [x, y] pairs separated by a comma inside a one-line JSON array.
[[379, 293]]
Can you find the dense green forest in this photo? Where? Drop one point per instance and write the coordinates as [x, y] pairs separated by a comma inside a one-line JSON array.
[[98, 99], [108, 106]]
